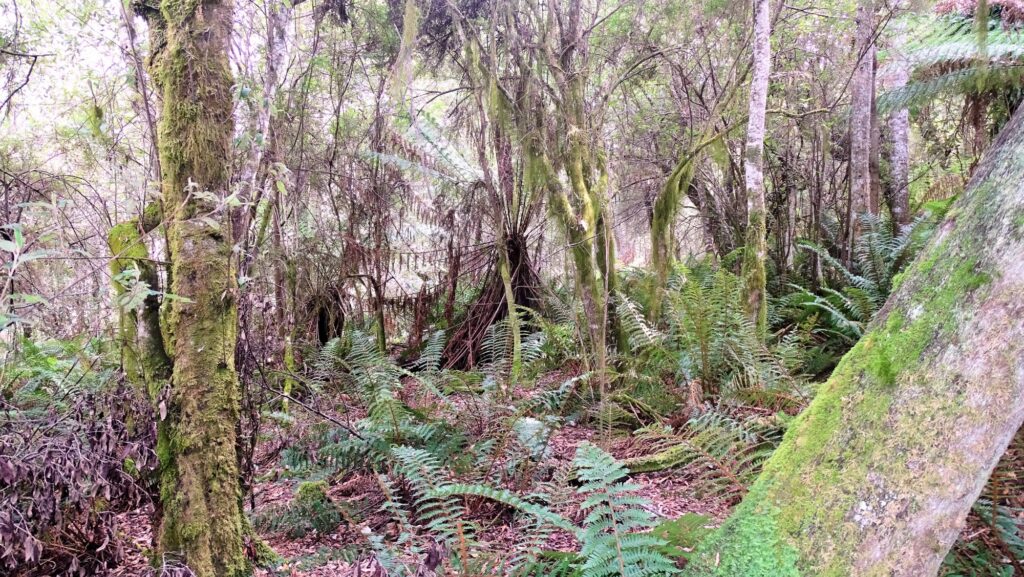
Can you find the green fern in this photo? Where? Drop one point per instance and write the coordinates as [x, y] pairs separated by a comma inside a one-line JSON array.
[[615, 535], [716, 341], [879, 255], [615, 539], [435, 510], [310, 510], [723, 453]]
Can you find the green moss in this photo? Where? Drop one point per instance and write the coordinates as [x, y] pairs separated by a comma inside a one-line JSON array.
[[755, 294], [200, 494], [749, 544], [310, 492], [821, 470], [683, 535]]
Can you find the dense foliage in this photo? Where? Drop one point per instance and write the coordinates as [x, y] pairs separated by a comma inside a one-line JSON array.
[[467, 283]]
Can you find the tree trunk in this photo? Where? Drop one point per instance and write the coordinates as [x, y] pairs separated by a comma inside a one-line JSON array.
[[753, 167], [877, 475], [899, 145], [200, 491], [143, 355], [861, 97]]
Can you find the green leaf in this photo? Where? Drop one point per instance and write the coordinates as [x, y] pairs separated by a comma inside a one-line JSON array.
[[179, 298]]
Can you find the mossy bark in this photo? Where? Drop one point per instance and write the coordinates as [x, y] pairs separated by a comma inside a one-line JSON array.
[[877, 475], [144, 358], [202, 523]]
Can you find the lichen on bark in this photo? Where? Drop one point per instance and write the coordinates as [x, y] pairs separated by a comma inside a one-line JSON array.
[[202, 523], [877, 475]]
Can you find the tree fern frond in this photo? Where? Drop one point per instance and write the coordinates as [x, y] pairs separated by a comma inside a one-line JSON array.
[[996, 75]]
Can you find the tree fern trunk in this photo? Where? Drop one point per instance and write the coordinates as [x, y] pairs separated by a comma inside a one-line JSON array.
[[877, 475]]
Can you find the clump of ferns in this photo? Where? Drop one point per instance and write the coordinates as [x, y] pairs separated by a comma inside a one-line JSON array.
[[723, 449], [614, 534], [832, 319], [709, 347], [356, 365]]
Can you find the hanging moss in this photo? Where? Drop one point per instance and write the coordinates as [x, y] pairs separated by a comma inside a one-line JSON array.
[[663, 218]]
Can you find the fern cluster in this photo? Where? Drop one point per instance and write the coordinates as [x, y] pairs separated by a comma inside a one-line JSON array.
[[836, 316], [615, 534], [714, 348]]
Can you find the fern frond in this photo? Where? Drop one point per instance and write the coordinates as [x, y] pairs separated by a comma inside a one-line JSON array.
[[615, 540], [509, 499]]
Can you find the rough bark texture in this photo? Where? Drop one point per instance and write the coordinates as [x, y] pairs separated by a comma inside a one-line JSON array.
[[753, 167], [200, 492], [861, 97], [899, 148], [877, 475]]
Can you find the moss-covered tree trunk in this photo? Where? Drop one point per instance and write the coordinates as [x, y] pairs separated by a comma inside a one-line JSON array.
[[877, 475], [143, 355], [202, 514]]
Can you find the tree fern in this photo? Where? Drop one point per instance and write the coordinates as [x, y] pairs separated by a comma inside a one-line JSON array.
[[950, 55]]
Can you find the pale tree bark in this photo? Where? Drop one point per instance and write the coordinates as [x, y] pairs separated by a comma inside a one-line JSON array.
[[203, 523], [878, 474], [899, 159], [899, 148], [753, 167], [862, 87]]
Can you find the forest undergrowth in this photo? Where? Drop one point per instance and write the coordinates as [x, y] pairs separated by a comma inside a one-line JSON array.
[[390, 255], [375, 467]]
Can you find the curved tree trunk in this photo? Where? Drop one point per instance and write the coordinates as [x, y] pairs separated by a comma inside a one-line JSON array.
[[143, 354], [877, 475], [202, 507]]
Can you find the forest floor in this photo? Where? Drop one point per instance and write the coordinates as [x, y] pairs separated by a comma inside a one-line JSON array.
[[671, 495]]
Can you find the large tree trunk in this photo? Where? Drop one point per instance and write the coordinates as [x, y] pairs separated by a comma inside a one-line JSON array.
[[861, 98], [202, 522], [753, 167], [877, 475]]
